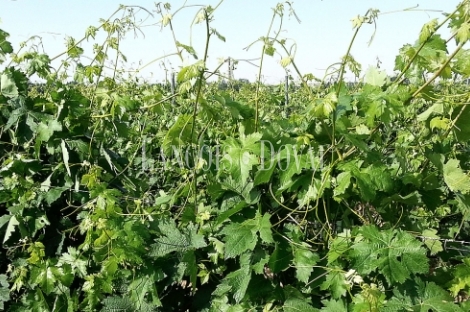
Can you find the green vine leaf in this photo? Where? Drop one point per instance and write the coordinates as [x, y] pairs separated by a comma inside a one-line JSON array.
[[463, 33], [323, 107], [4, 291], [461, 280], [38, 64], [370, 299], [375, 77], [334, 306], [221, 38], [73, 50], [117, 304], [237, 281], [455, 177], [293, 163], [45, 278], [75, 260], [439, 123], [437, 108], [427, 296], [295, 301], [343, 181], [5, 45], [265, 228], [242, 237], [427, 30], [174, 240], [380, 176], [45, 131], [336, 283], [178, 135], [462, 126], [393, 253], [339, 246], [297, 305], [304, 260], [434, 245], [241, 155], [12, 223], [461, 63], [7, 85], [144, 287], [187, 48], [239, 238], [281, 257]]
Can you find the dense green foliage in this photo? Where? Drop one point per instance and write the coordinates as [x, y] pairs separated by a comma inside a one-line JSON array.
[[120, 196]]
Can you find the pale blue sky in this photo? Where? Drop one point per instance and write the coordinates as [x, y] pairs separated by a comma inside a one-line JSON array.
[[322, 36]]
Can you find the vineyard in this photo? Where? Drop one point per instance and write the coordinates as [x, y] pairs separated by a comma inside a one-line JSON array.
[[122, 195]]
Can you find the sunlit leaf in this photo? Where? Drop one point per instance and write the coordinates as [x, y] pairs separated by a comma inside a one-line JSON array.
[[375, 77], [427, 30], [12, 223], [455, 178], [7, 85]]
